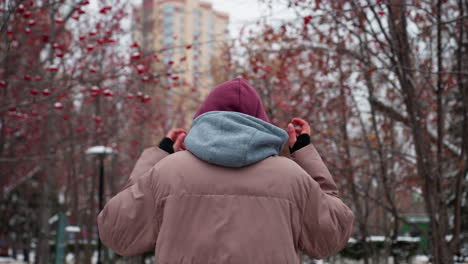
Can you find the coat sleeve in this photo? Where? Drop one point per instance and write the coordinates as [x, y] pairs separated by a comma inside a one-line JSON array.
[[127, 224], [145, 162], [327, 222]]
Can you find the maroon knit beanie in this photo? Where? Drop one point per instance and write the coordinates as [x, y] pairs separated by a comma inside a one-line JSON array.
[[234, 95]]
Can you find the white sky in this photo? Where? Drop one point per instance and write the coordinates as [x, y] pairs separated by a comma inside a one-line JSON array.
[[247, 12], [240, 12]]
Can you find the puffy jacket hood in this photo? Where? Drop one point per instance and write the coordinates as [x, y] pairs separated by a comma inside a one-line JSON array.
[[235, 95], [233, 139]]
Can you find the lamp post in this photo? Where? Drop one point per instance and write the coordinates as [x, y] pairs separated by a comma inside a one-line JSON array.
[[101, 152]]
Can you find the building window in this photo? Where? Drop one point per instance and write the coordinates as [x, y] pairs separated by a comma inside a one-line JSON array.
[[197, 13], [168, 31], [168, 9], [211, 22], [196, 22], [167, 39], [196, 33], [167, 20]]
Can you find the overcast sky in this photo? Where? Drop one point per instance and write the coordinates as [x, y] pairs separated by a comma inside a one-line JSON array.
[[247, 12], [240, 12]]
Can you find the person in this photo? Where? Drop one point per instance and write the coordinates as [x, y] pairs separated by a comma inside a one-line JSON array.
[[221, 193]]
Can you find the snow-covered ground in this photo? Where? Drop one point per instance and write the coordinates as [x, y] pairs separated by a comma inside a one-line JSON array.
[[8, 260], [419, 259]]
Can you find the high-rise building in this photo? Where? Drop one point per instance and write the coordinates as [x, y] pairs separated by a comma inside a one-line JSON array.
[[189, 33]]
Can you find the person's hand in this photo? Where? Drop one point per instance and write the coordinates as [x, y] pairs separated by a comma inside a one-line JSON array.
[[299, 134], [177, 135], [174, 140], [297, 127]]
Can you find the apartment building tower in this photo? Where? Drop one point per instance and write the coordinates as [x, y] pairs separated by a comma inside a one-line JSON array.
[[189, 33]]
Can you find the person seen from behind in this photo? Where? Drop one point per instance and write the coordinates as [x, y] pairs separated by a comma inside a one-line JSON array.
[[221, 193]]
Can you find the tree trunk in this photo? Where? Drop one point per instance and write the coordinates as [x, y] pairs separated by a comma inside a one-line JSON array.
[[401, 58]]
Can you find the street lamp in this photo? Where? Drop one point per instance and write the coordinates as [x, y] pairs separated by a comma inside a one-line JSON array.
[[101, 152]]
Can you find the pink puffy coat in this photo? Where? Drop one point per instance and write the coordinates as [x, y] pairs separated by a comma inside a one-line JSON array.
[[190, 211]]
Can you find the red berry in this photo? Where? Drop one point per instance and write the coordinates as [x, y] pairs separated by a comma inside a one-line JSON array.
[[146, 98], [27, 14], [108, 93], [58, 106], [97, 119], [136, 56], [21, 8], [46, 92], [89, 47], [140, 68]]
